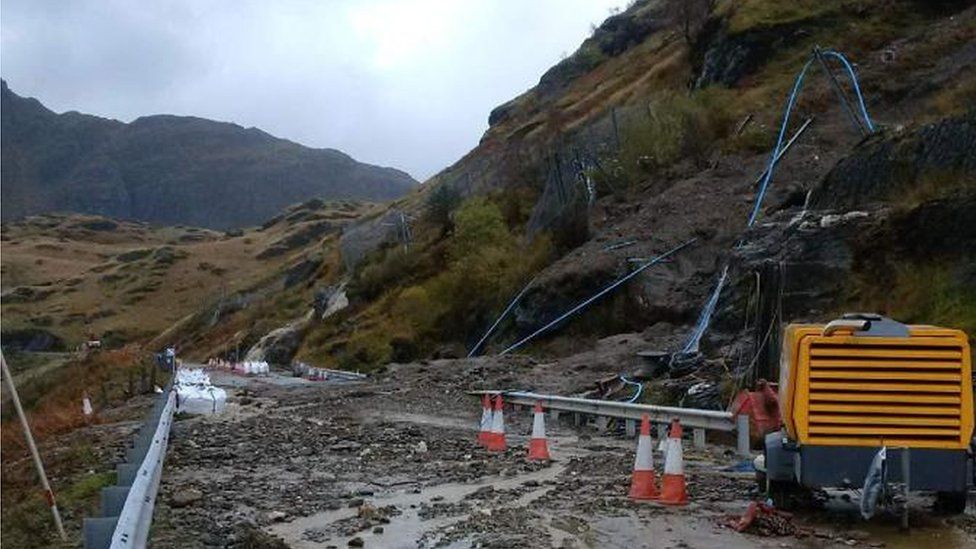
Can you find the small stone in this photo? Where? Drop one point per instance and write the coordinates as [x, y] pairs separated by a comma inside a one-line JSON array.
[[356, 542], [421, 447], [355, 502], [276, 516], [378, 530], [186, 497]]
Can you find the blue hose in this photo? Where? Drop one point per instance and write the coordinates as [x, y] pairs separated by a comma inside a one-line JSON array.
[[580, 306], [706, 314], [779, 142], [854, 82], [640, 388]]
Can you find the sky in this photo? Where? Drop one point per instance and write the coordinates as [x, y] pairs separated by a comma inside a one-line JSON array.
[[402, 83]]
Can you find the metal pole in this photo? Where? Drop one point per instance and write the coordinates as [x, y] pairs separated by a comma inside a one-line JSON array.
[[616, 131], [785, 148], [841, 94], [742, 435], [48, 493], [906, 477]]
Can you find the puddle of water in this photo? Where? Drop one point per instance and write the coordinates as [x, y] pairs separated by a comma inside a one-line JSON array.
[[405, 529], [926, 530]]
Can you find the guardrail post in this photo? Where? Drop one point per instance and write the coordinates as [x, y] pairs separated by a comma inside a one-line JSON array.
[[698, 437], [113, 498], [125, 473], [662, 431], [631, 428], [579, 419], [742, 435], [553, 415], [97, 532]]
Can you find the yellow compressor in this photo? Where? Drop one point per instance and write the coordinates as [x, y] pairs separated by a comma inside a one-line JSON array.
[[863, 382]]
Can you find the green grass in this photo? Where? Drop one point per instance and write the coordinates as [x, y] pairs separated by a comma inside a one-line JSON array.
[[925, 293], [751, 14], [27, 521]]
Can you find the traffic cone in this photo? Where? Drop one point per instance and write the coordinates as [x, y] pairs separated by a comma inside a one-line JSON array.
[[673, 482], [484, 432], [496, 438], [538, 447], [643, 483]]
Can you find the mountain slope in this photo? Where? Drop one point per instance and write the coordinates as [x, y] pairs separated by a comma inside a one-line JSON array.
[[169, 169]]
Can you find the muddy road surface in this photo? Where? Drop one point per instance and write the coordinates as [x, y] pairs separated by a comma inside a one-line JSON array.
[[392, 462]]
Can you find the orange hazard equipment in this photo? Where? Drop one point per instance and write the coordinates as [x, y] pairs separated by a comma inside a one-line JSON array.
[[643, 483], [762, 407], [484, 429], [538, 447], [673, 482], [496, 438]]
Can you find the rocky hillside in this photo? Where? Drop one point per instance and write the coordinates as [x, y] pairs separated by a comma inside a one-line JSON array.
[[653, 133], [169, 170]]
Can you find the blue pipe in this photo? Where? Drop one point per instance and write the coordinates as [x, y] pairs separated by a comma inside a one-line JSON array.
[[640, 388], [854, 82], [598, 295], [511, 305]]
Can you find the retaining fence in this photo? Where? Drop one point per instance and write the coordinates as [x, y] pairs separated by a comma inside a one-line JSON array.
[[698, 420], [127, 507]]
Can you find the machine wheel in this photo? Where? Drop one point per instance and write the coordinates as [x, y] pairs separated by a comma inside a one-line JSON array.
[[785, 495], [950, 503]]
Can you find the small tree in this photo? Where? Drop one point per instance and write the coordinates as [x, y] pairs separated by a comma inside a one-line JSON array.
[[690, 16], [441, 203]]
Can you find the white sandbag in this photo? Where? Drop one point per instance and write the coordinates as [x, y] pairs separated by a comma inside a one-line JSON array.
[[196, 395]]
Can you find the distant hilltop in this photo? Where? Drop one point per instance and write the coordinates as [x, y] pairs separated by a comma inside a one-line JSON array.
[[169, 169]]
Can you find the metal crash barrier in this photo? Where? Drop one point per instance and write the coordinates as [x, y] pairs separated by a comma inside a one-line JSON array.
[[127, 508], [698, 420]]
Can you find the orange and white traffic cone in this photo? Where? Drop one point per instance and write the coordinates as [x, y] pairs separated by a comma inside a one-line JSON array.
[[643, 483], [496, 438], [538, 447], [673, 482], [484, 431]]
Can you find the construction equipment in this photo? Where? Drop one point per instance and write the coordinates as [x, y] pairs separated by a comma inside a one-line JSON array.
[[866, 382]]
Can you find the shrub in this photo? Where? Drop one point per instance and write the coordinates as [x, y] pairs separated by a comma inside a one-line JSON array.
[[382, 271], [674, 127], [479, 225]]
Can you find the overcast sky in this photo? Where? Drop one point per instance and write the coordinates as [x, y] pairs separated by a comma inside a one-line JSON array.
[[404, 83]]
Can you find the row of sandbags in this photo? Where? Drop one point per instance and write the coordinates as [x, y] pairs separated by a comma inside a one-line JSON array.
[[248, 367]]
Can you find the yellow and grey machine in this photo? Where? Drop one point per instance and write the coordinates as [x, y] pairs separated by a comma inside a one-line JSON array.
[[863, 382]]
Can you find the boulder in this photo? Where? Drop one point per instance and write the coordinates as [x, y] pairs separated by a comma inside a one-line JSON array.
[[279, 346]]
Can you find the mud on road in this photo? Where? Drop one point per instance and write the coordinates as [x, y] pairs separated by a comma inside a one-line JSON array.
[[393, 463]]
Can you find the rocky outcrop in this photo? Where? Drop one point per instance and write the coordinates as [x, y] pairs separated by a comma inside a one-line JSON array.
[[169, 169], [726, 58], [617, 34], [31, 339]]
